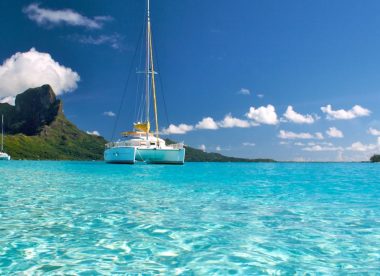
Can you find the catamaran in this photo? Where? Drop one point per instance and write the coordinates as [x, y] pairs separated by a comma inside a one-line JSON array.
[[141, 144], [3, 155]]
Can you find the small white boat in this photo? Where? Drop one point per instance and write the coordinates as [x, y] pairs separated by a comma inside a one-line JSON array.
[[141, 144], [3, 155]]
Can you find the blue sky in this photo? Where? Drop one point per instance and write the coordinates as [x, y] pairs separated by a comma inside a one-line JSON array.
[[230, 70]]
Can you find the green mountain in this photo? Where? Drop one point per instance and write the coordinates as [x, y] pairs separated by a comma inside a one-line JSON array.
[[37, 129]]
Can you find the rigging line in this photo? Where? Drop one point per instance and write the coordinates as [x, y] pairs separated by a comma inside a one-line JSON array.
[[147, 68], [125, 88], [139, 100], [161, 84], [153, 83]]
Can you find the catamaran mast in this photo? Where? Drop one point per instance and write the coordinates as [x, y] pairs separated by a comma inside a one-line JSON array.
[[147, 67], [150, 70]]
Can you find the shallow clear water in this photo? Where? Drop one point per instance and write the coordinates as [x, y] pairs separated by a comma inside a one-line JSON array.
[[201, 218]]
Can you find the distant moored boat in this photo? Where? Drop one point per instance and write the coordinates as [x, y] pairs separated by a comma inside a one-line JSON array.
[[3, 155]]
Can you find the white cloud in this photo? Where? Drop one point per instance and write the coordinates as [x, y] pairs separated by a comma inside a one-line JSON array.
[[263, 115], [326, 144], [95, 133], [299, 144], [202, 147], [334, 132], [322, 148], [114, 41], [50, 18], [359, 146], [319, 135], [229, 122], [244, 91], [180, 129], [9, 100], [207, 123], [260, 96], [283, 134], [292, 135], [247, 144], [341, 114], [374, 131], [109, 114], [32, 69], [298, 118], [218, 148]]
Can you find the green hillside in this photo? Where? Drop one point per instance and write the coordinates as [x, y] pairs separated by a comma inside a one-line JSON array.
[[61, 140]]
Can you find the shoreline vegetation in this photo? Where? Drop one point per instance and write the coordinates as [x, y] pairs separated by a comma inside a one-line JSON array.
[[375, 158], [37, 129]]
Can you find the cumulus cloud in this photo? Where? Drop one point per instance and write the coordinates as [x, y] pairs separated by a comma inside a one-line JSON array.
[[94, 133], [292, 135], [218, 148], [180, 129], [202, 147], [359, 146], [260, 96], [248, 144], [319, 135], [109, 114], [207, 123], [244, 91], [229, 122], [322, 148], [9, 100], [283, 134], [114, 40], [263, 115], [294, 117], [341, 114], [374, 131], [32, 69], [299, 144], [334, 132], [51, 18]]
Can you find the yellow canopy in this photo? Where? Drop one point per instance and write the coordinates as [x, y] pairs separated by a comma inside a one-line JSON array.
[[142, 126]]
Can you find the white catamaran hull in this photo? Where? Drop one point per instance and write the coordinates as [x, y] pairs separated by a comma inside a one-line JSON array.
[[161, 156], [120, 155], [129, 155]]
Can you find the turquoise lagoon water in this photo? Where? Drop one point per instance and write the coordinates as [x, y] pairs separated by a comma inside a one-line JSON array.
[[90, 218]]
